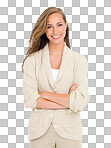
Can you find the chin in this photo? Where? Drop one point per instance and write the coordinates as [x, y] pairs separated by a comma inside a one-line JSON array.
[[57, 41]]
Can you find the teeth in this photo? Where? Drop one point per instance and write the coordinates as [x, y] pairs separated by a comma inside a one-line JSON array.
[[56, 36]]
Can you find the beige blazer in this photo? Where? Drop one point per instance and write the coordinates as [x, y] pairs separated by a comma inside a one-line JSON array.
[[38, 77]]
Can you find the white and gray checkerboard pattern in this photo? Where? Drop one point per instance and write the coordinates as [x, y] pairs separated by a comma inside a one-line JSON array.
[[89, 22]]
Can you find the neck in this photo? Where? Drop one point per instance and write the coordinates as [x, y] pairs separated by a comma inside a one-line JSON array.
[[56, 48]]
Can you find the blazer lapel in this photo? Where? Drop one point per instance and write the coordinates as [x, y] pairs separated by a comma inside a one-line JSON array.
[[47, 64]]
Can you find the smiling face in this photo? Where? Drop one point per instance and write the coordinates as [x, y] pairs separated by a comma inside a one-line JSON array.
[[56, 28]]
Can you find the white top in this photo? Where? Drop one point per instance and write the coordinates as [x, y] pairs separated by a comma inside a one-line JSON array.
[[55, 73]]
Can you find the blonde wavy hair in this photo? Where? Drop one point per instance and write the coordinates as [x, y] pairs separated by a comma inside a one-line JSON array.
[[38, 38]]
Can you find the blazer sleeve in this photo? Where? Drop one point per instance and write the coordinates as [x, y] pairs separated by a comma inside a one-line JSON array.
[[80, 97], [30, 87]]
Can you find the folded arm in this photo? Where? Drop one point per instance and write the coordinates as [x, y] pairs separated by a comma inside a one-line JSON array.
[[47, 104], [52, 99], [55, 100]]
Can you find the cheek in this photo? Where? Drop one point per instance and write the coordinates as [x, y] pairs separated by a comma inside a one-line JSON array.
[[62, 29], [48, 33]]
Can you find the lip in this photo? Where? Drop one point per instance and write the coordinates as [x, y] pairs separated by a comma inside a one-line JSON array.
[[56, 38]]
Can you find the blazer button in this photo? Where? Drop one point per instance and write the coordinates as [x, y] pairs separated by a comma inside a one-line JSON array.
[[55, 126], [35, 110]]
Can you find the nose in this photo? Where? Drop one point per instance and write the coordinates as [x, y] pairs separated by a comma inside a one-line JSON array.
[[55, 29]]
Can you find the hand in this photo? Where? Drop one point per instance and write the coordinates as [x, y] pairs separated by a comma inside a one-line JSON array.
[[73, 87], [41, 93]]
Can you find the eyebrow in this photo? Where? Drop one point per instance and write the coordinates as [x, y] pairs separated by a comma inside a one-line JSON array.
[[57, 23]]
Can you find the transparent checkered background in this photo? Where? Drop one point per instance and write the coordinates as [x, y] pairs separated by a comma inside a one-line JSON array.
[[89, 22]]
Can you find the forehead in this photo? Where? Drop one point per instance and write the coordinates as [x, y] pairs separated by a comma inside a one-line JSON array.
[[55, 17]]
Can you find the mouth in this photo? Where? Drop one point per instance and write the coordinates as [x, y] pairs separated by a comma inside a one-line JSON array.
[[56, 37]]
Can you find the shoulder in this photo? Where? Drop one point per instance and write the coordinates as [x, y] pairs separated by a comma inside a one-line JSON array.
[[33, 57], [30, 60], [76, 56], [77, 59]]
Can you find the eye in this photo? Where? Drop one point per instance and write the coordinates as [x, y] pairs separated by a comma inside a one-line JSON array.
[[60, 25], [49, 27]]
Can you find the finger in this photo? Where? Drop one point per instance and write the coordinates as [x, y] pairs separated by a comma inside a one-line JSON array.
[[73, 88], [76, 84]]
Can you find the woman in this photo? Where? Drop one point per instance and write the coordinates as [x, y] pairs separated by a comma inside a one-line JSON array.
[[55, 84]]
